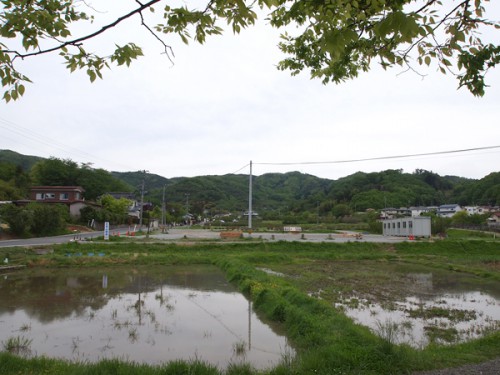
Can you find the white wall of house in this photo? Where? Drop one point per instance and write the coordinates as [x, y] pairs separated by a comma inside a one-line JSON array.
[[448, 210], [74, 208]]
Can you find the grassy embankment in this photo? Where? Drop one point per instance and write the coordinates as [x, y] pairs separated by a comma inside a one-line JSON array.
[[327, 342]]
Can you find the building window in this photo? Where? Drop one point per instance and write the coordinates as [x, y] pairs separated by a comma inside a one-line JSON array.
[[39, 196], [64, 196], [399, 225], [393, 225], [77, 195], [49, 196], [404, 224], [410, 224]]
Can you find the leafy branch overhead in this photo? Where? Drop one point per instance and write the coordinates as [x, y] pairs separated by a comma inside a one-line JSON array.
[[333, 39]]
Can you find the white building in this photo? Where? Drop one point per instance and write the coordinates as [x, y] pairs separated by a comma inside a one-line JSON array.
[[407, 226], [477, 210], [448, 210], [418, 211]]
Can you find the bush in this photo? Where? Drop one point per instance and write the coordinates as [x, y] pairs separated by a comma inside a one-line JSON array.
[[18, 219], [47, 218], [36, 219]]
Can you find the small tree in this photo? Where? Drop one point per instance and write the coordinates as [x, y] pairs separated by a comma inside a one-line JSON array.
[[18, 219], [35, 219], [117, 209], [47, 218], [341, 209], [439, 224]]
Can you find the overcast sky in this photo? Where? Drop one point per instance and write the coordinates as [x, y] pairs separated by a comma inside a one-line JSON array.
[[224, 104]]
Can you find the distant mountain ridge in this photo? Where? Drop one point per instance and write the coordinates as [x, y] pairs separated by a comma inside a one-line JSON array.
[[25, 161], [298, 192]]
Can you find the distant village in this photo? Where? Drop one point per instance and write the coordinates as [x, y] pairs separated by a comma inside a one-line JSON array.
[[415, 222], [403, 221]]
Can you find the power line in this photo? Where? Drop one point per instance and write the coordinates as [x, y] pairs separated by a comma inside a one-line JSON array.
[[36, 137], [246, 165], [380, 157]]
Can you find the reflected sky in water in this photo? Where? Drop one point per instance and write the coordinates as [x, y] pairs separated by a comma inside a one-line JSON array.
[[143, 314], [437, 307]]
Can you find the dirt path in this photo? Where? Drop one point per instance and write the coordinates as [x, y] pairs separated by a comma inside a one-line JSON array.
[[486, 368]]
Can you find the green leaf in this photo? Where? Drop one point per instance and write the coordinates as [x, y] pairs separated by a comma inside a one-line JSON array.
[[91, 75]]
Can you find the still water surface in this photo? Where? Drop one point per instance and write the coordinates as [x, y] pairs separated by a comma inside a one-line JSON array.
[[418, 306], [143, 314]]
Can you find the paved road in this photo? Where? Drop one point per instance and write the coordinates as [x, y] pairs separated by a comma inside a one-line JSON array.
[[40, 241], [177, 234]]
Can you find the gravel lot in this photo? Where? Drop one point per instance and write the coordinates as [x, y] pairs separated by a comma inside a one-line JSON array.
[[346, 236]]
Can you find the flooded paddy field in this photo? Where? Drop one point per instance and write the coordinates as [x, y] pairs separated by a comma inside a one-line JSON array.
[[145, 314], [404, 303]]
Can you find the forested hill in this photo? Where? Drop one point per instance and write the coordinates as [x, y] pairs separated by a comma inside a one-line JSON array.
[[23, 161], [297, 192], [272, 192]]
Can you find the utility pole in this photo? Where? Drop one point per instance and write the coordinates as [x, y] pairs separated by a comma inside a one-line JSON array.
[[317, 214], [142, 199], [163, 210], [187, 208], [250, 199]]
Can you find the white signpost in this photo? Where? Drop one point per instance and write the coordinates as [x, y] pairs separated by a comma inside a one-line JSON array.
[[106, 230]]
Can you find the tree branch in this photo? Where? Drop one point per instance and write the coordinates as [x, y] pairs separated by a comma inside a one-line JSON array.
[[437, 26], [168, 49], [77, 41]]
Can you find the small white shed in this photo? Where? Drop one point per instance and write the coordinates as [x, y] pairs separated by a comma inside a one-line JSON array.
[[407, 226]]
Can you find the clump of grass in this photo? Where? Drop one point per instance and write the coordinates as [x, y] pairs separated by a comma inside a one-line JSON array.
[[120, 325], [240, 369], [438, 334], [454, 315], [133, 335], [239, 348], [25, 327], [388, 330], [75, 343], [18, 345]]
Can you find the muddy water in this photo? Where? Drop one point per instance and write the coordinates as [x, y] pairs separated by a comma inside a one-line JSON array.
[[417, 305], [149, 315]]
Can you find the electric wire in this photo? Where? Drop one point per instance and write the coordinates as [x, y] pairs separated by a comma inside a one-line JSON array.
[[50, 142], [381, 157], [39, 138], [246, 165]]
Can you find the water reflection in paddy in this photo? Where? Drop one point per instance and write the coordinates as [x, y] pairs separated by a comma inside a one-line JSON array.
[[419, 308], [151, 315]]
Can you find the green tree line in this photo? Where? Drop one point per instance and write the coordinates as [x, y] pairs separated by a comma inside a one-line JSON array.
[[288, 197]]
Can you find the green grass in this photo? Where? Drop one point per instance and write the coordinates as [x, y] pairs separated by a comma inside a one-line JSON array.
[[326, 341], [461, 234]]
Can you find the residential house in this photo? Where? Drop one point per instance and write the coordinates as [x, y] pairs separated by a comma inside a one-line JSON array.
[[419, 211], [477, 210], [71, 196], [448, 210], [391, 212], [494, 220]]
